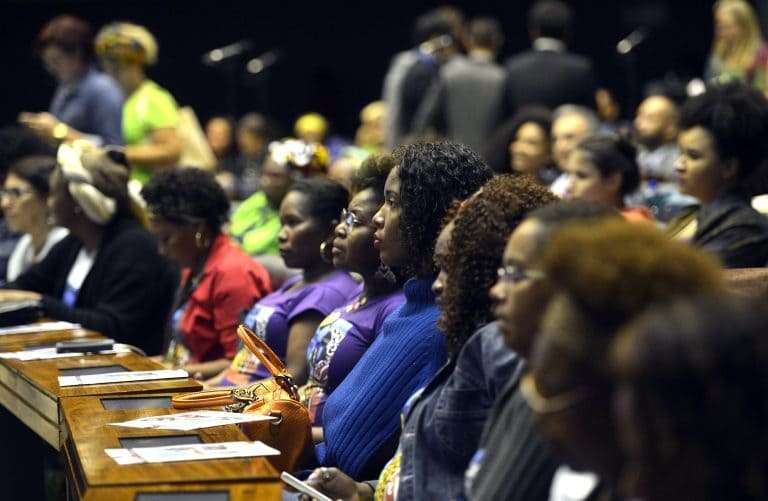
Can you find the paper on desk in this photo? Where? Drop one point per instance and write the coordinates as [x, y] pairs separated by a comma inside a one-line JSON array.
[[194, 420], [39, 327], [122, 377], [193, 452], [50, 353]]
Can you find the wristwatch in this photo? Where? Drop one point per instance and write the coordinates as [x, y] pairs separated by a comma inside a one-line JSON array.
[[60, 131]]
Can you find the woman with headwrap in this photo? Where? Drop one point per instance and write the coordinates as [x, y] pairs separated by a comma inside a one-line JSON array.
[[107, 274], [150, 114]]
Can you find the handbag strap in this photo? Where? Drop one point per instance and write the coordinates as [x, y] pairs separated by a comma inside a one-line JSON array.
[[258, 347], [202, 399], [269, 359]]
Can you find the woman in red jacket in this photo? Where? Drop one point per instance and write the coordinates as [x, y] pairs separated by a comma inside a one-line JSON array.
[[219, 282]]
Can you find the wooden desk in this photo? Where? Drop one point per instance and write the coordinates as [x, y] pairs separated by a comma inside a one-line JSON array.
[[16, 342], [92, 475], [30, 390]]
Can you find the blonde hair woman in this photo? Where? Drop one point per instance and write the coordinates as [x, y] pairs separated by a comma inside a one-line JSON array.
[[150, 114], [738, 51]]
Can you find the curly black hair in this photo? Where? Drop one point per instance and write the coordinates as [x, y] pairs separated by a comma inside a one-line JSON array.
[[432, 176], [186, 195], [482, 225], [736, 115]]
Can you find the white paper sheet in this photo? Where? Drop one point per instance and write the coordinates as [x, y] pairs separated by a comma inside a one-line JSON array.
[[121, 377], [192, 452], [194, 420], [40, 327]]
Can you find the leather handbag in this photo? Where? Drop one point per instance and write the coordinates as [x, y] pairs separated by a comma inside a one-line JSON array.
[[290, 432]]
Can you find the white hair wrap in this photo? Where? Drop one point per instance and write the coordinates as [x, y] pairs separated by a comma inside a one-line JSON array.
[[98, 207]]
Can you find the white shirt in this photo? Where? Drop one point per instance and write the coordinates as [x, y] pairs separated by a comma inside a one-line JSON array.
[[23, 255], [80, 269]]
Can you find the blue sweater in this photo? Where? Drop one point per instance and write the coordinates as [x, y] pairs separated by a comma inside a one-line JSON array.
[[362, 415]]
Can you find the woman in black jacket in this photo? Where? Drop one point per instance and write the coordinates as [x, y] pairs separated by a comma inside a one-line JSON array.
[[107, 274]]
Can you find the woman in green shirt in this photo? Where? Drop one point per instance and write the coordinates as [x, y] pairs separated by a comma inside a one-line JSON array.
[[150, 114]]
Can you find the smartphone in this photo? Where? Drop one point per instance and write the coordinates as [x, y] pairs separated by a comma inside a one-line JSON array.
[[303, 487]]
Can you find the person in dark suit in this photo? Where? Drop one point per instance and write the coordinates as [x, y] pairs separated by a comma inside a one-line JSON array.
[[548, 74], [465, 103]]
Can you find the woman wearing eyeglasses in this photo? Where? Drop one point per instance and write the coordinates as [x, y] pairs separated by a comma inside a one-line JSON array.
[[344, 335], [23, 200]]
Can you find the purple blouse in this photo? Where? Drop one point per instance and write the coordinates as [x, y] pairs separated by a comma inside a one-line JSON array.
[[339, 342], [271, 317]]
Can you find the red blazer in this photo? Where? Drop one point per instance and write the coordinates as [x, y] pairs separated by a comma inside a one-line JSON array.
[[231, 283]]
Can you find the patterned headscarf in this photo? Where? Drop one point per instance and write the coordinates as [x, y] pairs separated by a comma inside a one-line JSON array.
[[127, 42]]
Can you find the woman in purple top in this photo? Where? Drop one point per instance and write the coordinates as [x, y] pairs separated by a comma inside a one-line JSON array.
[[345, 334], [287, 318]]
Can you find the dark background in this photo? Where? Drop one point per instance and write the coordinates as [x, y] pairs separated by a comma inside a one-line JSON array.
[[335, 54]]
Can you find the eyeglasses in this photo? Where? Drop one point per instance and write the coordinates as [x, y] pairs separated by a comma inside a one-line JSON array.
[[515, 273], [550, 405], [13, 193], [350, 219]]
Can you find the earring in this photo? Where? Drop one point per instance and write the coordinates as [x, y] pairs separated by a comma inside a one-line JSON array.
[[326, 252], [199, 240]]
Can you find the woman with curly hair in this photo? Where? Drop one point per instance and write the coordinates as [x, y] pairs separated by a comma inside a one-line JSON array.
[[219, 281], [630, 269], [361, 417]]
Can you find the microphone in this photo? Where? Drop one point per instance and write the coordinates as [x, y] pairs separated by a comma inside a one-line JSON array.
[[222, 54], [262, 62], [628, 44]]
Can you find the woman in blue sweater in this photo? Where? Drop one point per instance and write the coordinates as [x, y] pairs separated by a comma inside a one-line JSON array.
[[361, 417]]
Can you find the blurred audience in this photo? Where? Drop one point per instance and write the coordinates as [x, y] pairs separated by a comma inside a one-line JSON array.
[[24, 200], [465, 103], [722, 141], [739, 51], [87, 104], [150, 113]]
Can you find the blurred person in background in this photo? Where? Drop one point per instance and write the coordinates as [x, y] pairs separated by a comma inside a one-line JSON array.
[[549, 75], [87, 104], [570, 124], [24, 200], [16, 142], [370, 135], [738, 50], [602, 170], [722, 162], [150, 113], [465, 103], [438, 35], [106, 274], [256, 222], [253, 134]]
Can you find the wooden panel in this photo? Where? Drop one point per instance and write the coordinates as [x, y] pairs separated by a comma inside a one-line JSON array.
[[236, 491], [15, 342], [31, 389], [96, 476]]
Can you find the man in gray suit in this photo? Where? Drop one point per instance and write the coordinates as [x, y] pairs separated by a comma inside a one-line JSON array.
[[466, 102]]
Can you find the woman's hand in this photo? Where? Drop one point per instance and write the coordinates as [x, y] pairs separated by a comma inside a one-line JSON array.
[[336, 484], [18, 295], [42, 123]]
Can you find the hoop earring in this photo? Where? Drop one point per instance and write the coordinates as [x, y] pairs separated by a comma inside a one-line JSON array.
[[326, 252], [201, 241]]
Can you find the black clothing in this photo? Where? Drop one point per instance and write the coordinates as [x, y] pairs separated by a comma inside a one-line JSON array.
[[127, 293]]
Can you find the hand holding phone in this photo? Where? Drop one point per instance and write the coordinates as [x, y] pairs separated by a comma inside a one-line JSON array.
[[303, 487]]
